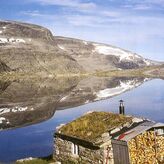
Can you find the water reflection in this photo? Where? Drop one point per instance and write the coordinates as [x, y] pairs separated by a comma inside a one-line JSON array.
[[97, 88], [29, 102], [37, 140]]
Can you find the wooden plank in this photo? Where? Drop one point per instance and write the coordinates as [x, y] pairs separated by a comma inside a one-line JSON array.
[[120, 152]]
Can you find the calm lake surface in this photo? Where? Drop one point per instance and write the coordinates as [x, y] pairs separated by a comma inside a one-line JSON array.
[[146, 100]]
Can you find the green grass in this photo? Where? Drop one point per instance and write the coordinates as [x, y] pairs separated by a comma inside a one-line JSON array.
[[49, 161], [149, 72], [140, 72], [34, 161], [90, 126], [44, 160]]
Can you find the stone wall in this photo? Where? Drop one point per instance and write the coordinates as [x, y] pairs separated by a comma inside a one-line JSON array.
[[62, 152]]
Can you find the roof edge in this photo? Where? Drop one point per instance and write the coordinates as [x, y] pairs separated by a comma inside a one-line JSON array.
[[78, 141]]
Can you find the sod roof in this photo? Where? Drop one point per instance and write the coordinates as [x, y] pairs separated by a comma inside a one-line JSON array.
[[91, 126]]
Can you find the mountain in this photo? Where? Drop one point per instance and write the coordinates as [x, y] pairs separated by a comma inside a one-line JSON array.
[[31, 48], [96, 56]]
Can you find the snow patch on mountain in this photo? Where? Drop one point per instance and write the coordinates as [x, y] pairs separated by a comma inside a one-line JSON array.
[[61, 47], [122, 54], [64, 98], [2, 29], [12, 40], [107, 50], [85, 42], [147, 62]]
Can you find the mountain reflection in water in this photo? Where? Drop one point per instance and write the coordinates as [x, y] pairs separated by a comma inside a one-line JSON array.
[[28, 102], [36, 140]]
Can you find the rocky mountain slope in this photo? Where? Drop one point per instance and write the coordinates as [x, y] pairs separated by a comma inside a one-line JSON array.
[[4, 67], [96, 56], [32, 48]]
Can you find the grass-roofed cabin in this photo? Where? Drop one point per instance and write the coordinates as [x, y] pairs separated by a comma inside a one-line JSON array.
[[99, 137]]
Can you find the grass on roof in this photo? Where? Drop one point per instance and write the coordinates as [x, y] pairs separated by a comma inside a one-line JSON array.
[[93, 125]]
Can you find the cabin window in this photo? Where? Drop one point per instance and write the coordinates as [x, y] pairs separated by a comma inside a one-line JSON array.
[[160, 132], [75, 149]]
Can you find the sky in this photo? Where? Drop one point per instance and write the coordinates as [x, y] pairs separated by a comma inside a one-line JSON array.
[[135, 25]]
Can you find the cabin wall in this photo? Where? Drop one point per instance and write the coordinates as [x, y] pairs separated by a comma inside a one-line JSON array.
[[147, 148], [63, 152]]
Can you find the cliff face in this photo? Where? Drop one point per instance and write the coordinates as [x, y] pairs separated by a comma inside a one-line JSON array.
[[25, 30]]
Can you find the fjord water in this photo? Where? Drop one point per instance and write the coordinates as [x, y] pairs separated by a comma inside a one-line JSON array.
[[144, 99]]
